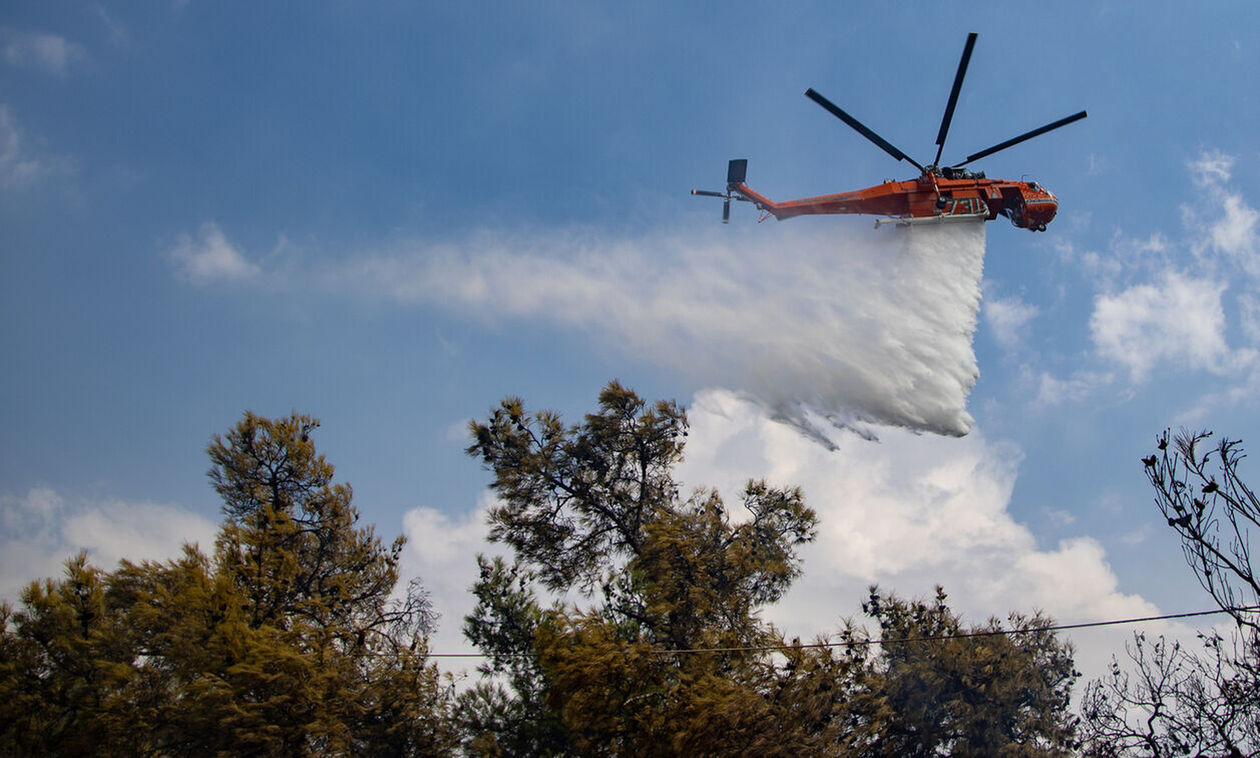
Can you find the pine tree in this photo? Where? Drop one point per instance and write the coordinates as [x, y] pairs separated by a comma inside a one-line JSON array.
[[660, 649], [594, 508], [284, 642], [937, 687]]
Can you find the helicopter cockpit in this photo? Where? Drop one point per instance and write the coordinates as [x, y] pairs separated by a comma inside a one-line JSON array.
[[949, 172]]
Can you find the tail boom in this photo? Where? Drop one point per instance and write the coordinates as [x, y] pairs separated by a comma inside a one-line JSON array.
[[888, 199]]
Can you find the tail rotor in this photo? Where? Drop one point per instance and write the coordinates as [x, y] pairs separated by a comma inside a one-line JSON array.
[[736, 172]]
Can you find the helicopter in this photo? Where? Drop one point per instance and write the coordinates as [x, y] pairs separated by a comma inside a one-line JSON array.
[[940, 193]]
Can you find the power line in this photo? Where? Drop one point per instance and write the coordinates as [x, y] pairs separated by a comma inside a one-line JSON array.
[[903, 640]]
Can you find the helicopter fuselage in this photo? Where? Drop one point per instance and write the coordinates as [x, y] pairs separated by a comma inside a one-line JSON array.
[[1027, 204], [941, 192]]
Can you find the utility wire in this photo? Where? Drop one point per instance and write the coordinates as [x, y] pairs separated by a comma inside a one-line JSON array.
[[900, 641]]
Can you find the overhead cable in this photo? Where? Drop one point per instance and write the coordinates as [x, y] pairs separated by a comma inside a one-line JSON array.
[[899, 640]]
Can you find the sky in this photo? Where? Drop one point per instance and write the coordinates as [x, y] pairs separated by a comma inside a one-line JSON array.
[[392, 215]]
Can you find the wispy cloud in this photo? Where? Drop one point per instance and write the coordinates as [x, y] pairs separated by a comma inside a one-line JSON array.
[[118, 35], [211, 258], [1242, 390], [20, 168], [1136, 536], [50, 53], [1249, 316], [1212, 167], [1052, 391], [1223, 223], [1060, 517], [1008, 318], [1234, 233]]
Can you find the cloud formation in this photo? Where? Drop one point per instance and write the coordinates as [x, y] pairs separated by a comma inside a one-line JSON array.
[[1211, 168], [442, 551], [42, 529], [211, 258], [1176, 320], [50, 53], [1053, 391], [19, 167], [1008, 318], [1187, 305], [908, 512]]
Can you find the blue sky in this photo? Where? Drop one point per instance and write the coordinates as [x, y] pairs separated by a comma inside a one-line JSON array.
[[207, 208]]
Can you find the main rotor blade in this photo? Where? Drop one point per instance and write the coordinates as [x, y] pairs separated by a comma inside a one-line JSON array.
[[953, 96], [1023, 137], [859, 127]]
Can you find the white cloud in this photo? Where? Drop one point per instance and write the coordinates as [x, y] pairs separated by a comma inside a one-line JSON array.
[[1094, 164], [1167, 305], [1052, 391], [1221, 221], [1060, 517], [50, 53], [1124, 257], [1177, 320], [42, 529], [1136, 536], [849, 322], [19, 168], [1235, 232], [909, 512], [442, 551], [1249, 317], [118, 35], [1241, 392], [1101, 268], [1007, 318], [211, 258], [1211, 168]]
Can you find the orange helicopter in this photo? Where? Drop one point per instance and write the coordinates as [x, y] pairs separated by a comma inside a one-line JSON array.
[[941, 193]]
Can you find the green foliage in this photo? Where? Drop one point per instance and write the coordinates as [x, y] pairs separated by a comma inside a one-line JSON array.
[[594, 507], [698, 579], [290, 542], [573, 497], [938, 688], [284, 642], [64, 672], [506, 713], [669, 655]]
